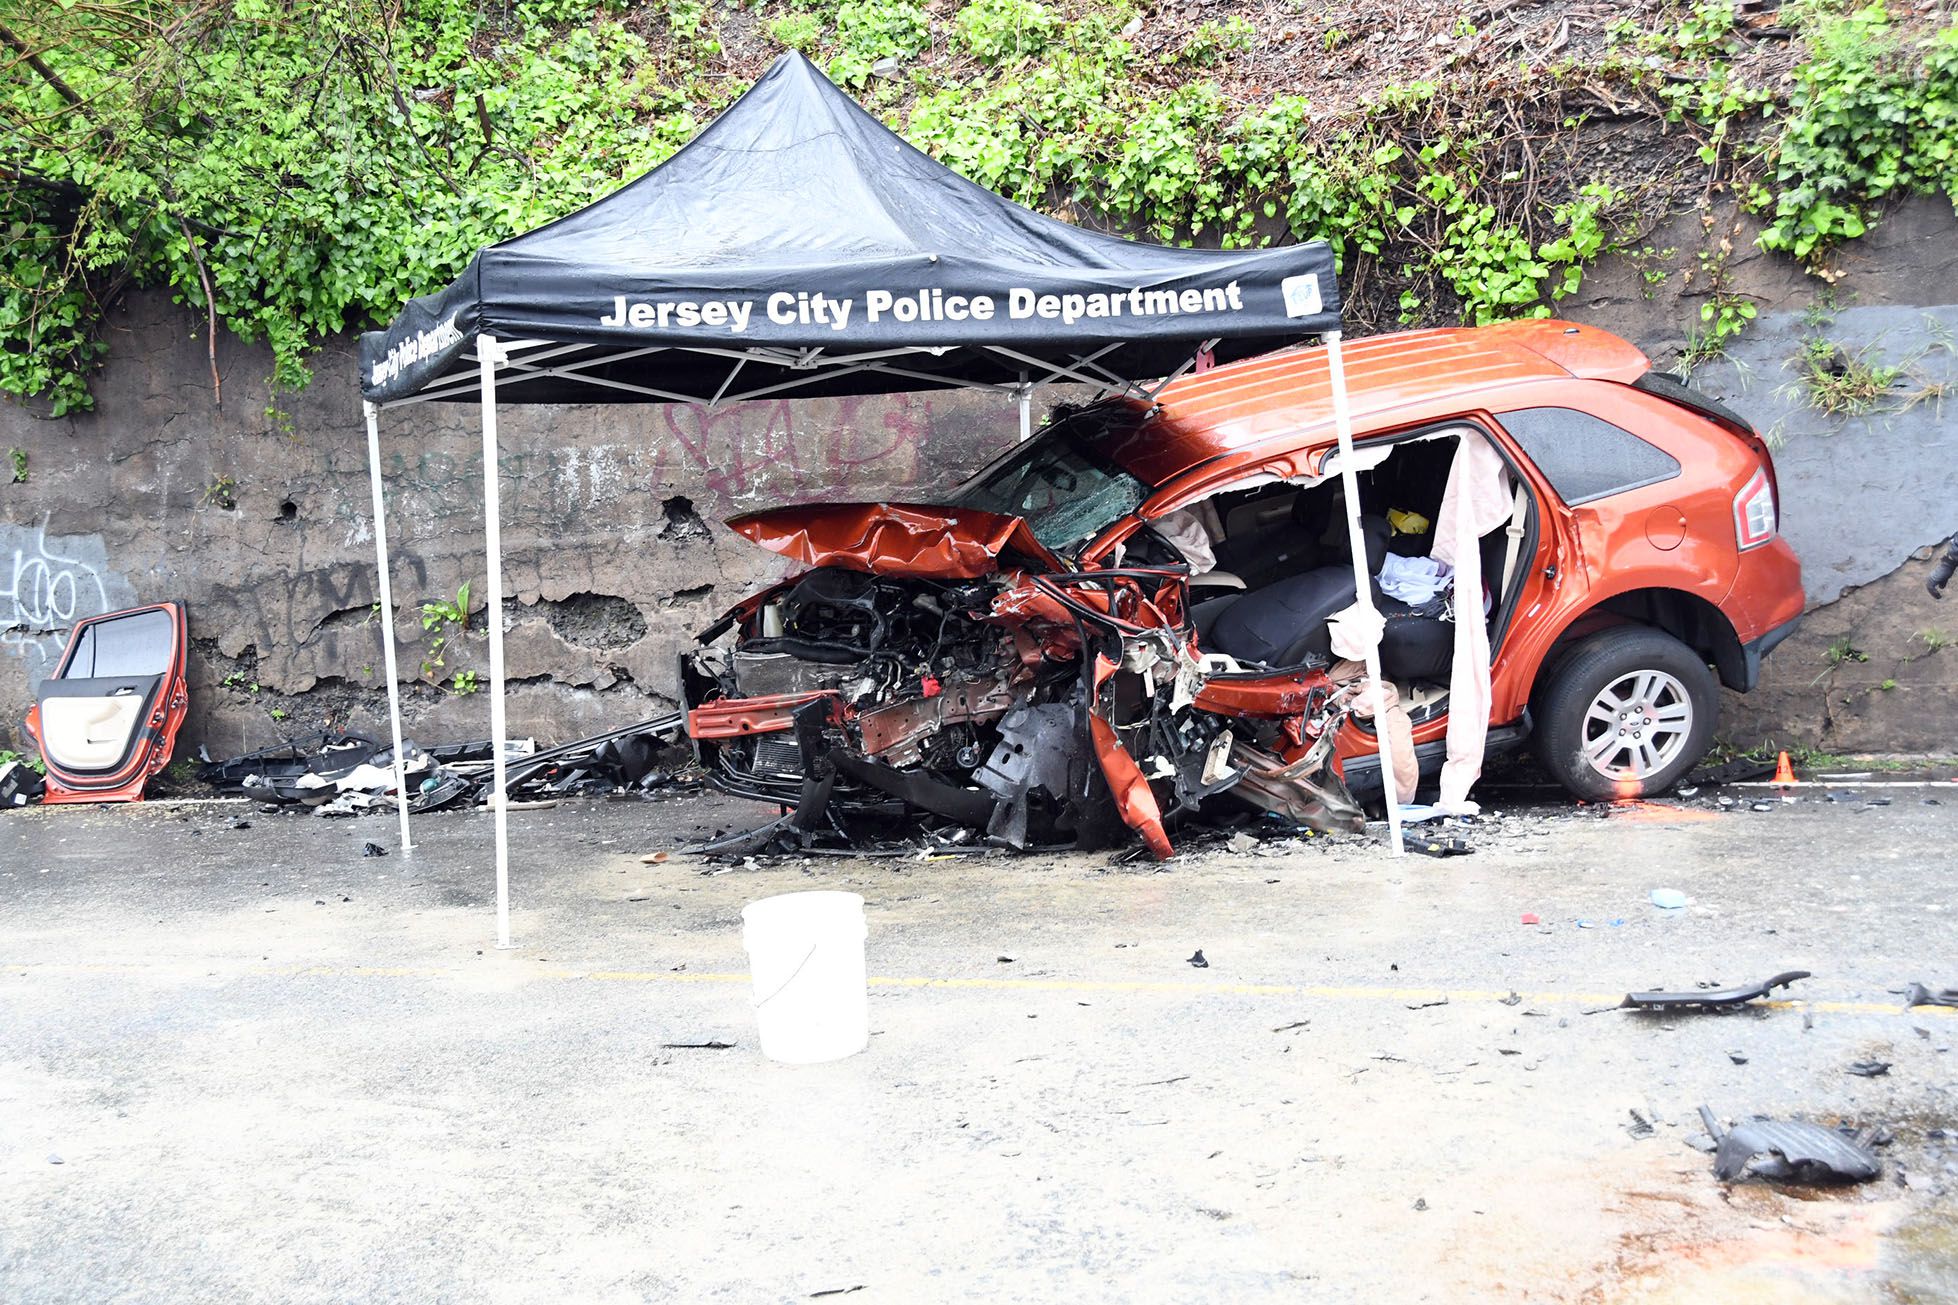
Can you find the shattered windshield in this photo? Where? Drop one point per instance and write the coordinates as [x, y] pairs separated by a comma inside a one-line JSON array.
[[1058, 482]]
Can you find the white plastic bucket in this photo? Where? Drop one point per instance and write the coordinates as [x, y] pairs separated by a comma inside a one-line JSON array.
[[805, 951]]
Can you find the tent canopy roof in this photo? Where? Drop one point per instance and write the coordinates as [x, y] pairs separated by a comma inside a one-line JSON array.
[[798, 246]]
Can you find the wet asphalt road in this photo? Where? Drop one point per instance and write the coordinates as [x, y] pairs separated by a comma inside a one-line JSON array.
[[254, 1065]]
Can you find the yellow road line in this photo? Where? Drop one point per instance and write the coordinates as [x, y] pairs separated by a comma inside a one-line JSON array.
[[1185, 987]]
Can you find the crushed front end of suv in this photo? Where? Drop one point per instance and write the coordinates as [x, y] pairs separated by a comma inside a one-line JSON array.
[[1123, 624]]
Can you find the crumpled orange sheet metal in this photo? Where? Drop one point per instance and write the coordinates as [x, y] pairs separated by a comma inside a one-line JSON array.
[[731, 718], [897, 539], [1126, 783]]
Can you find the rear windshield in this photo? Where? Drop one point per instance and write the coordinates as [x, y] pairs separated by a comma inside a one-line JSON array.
[[141, 643], [1058, 483]]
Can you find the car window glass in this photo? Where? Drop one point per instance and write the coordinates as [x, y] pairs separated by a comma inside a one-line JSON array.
[[141, 643], [1058, 485], [1586, 457]]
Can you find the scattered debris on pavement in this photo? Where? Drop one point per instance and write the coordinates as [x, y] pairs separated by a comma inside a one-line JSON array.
[[343, 774], [20, 784], [1918, 994], [1198, 961], [1710, 998], [1870, 1068], [1738, 771]]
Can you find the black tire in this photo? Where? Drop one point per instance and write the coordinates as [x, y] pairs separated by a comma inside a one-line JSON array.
[[1665, 700]]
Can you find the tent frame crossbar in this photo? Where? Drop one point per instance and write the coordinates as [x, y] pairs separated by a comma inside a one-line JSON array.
[[816, 364]]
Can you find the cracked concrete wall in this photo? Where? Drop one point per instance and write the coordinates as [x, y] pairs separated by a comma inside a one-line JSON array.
[[614, 552]]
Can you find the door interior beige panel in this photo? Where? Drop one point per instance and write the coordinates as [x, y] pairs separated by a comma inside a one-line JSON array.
[[89, 733]]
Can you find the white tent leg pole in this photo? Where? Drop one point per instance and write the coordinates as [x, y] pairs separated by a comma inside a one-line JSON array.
[[489, 354], [387, 618], [1363, 583], [1026, 412]]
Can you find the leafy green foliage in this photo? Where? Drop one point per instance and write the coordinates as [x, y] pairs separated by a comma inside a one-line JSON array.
[[324, 162], [1843, 382], [295, 168], [1872, 115], [993, 31], [796, 31], [34, 764], [440, 614], [1209, 44], [870, 30]]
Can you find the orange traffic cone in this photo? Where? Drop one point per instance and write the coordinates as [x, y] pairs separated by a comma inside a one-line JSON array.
[[1783, 772]]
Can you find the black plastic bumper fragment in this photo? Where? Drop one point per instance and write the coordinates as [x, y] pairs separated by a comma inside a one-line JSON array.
[[1794, 1152], [1712, 998], [963, 805], [1752, 653]]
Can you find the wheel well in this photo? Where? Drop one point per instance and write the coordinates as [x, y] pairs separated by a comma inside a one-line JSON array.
[[1692, 620]]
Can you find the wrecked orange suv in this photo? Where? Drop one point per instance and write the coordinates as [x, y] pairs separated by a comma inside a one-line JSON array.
[[1129, 619]]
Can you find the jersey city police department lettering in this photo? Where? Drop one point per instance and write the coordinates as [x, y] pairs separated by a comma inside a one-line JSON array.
[[789, 308]]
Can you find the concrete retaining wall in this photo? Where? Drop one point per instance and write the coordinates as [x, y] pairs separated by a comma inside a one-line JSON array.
[[614, 551]]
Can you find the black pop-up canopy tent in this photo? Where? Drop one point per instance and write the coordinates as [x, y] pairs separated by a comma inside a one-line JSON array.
[[797, 247]]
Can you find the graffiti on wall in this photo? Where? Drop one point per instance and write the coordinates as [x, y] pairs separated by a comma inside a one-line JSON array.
[[47, 583], [764, 453], [739, 457]]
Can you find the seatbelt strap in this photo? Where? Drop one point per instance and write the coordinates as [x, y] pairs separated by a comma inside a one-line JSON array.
[[1514, 549]]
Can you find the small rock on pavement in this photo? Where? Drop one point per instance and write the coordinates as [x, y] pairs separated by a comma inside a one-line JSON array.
[[373, 849], [1242, 843]]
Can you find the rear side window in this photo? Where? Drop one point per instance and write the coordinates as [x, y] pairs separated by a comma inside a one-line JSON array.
[[1586, 457], [138, 644]]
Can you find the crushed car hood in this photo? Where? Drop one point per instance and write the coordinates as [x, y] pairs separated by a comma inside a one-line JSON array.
[[898, 539]]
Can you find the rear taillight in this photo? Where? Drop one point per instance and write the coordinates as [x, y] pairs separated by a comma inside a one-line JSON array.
[[1754, 517]]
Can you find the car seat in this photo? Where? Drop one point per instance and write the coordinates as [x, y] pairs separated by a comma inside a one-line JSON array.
[[1413, 645], [1279, 623], [1320, 537]]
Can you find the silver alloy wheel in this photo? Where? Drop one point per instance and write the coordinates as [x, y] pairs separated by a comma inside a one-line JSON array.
[[1637, 726]]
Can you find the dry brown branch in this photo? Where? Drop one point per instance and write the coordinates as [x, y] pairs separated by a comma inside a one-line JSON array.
[[210, 311]]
